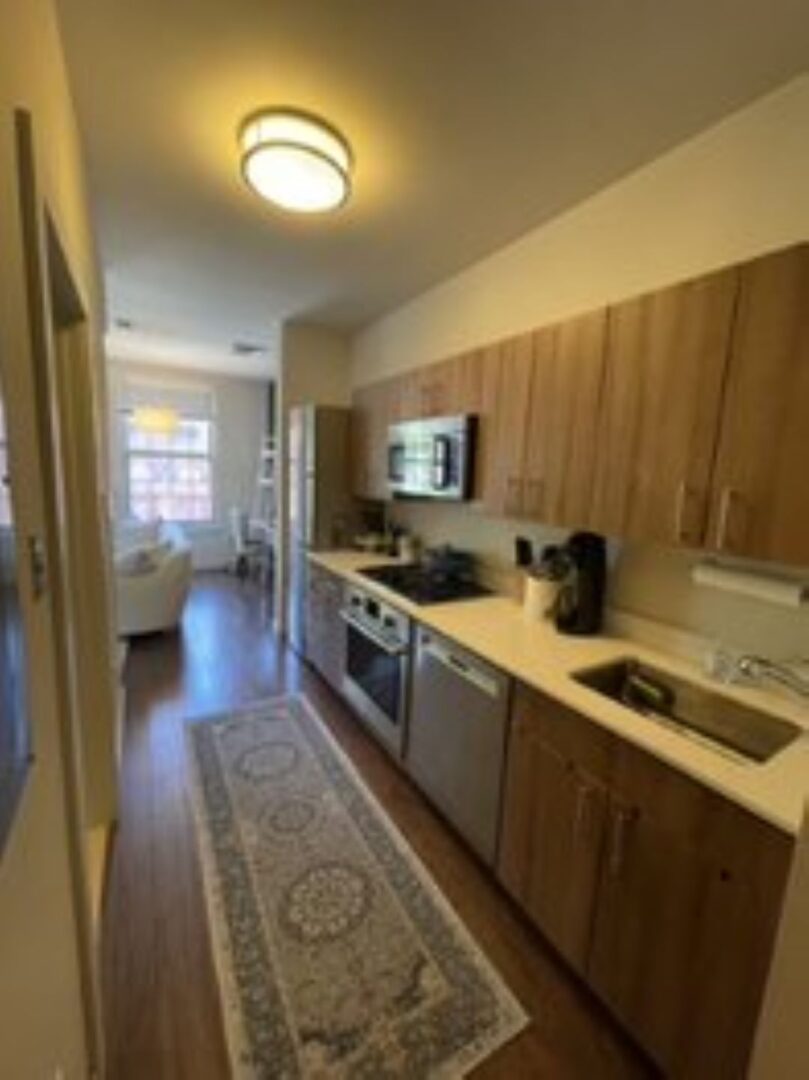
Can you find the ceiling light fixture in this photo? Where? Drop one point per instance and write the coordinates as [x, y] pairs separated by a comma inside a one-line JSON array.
[[295, 160], [155, 420]]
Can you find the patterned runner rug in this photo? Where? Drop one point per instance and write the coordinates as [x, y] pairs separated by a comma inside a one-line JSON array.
[[337, 954]]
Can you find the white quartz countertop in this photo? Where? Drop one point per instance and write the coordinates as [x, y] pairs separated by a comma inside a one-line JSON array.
[[495, 629]]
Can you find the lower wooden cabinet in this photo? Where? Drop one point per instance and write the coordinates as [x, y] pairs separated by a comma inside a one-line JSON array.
[[662, 894], [554, 820], [325, 629]]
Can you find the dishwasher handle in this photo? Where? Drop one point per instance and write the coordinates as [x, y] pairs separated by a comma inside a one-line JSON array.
[[481, 680]]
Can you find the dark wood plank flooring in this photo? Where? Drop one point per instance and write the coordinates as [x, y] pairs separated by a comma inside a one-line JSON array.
[[162, 1011]]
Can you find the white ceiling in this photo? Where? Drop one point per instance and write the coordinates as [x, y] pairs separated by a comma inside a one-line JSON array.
[[471, 121]]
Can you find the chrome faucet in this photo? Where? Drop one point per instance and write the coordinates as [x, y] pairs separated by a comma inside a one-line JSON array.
[[760, 669]]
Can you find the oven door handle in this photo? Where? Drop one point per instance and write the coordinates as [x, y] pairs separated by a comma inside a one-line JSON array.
[[385, 646]]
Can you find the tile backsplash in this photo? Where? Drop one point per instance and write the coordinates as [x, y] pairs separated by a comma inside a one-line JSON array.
[[651, 582]]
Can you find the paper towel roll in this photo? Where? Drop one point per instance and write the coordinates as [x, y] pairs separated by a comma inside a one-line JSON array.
[[771, 590]]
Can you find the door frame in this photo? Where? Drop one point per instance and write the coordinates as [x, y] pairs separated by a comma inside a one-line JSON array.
[[37, 234]]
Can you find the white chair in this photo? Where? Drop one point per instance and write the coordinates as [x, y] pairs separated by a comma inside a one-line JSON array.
[[251, 553]]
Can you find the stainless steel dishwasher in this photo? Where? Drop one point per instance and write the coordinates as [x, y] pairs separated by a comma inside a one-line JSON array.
[[457, 736]]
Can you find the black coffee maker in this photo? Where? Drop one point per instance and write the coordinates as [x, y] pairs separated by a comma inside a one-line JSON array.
[[581, 566]]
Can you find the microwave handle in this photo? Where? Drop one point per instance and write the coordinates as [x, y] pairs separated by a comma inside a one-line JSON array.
[[442, 451], [396, 452]]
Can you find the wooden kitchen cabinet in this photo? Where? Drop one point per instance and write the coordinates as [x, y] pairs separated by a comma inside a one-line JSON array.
[[665, 363], [554, 815], [561, 449], [508, 372], [544, 417], [446, 388], [760, 503], [685, 916], [325, 629], [372, 410], [663, 895]]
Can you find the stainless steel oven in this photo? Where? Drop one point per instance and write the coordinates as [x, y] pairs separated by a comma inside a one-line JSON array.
[[377, 664], [432, 459]]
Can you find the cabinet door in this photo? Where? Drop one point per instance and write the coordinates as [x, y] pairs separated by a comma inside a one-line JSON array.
[[445, 388], [333, 632], [325, 630], [761, 496], [554, 811], [314, 616], [685, 918], [508, 375], [435, 385], [371, 415], [665, 362], [560, 453]]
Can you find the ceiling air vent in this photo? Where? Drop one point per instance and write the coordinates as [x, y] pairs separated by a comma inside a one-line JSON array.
[[247, 348]]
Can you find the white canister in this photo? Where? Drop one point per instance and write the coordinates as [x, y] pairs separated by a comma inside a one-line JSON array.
[[539, 597]]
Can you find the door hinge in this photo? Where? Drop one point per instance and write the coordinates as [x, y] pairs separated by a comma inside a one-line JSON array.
[[38, 566]]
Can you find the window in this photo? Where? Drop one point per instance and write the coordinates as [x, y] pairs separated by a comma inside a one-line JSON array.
[[169, 474]]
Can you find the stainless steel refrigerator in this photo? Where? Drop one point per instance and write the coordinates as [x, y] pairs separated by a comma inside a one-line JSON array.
[[320, 505]]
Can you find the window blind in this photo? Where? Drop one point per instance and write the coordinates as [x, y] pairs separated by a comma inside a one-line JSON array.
[[189, 402]]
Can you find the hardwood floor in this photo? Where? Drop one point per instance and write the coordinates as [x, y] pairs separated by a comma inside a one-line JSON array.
[[162, 1012]]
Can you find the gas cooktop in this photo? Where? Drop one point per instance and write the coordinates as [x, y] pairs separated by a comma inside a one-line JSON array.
[[425, 586]]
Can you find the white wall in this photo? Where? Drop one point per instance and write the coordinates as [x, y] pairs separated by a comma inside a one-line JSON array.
[[241, 420], [41, 1017], [733, 192]]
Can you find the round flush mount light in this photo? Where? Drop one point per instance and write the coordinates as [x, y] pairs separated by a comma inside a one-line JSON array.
[[295, 160]]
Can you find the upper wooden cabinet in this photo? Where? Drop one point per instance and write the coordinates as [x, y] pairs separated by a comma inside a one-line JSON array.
[[560, 452], [373, 409], [760, 504], [544, 413], [665, 363], [445, 388], [676, 418], [508, 372]]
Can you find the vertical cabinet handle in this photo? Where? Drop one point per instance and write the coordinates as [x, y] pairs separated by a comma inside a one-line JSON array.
[[582, 825], [727, 500], [622, 820], [684, 494], [513, 495], [535, 490]]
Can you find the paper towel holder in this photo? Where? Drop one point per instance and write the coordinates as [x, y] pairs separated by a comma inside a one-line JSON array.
[[754, 584]]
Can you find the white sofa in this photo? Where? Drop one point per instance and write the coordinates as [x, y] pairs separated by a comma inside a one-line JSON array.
[[153, 576]]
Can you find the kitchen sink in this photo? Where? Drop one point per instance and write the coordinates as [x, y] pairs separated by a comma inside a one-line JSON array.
[[691, 708]]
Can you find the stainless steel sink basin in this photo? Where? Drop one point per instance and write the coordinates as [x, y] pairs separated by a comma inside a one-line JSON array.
[[667, 699]]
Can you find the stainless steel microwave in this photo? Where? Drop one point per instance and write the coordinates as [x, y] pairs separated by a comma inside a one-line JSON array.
[[432, 459]]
